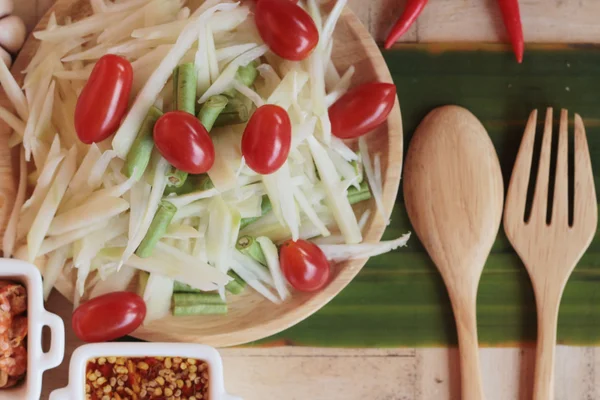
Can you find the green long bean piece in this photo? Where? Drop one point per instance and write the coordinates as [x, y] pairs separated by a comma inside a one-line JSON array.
[[158, 227], [206, 183], [190, 299], [198, 304], [247, 74], [184, 87], [184, 97], [176, 177], [235, 112], [358, 195], [237, 285], [250, 247], [141, 150], [200, 309], [179, 287], [211, 109], [265, 207], [192, 183]]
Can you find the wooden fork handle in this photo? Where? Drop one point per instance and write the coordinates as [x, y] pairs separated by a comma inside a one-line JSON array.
[[466, 325], [547, 309]]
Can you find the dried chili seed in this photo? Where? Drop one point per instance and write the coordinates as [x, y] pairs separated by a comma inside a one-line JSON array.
[[121, 370], [143, 366]]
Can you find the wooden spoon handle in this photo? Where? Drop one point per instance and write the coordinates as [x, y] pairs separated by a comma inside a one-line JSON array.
[[547, 309], [466, 325]]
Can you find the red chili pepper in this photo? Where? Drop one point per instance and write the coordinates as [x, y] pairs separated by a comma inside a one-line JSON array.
[[411, 12], [512, 22]]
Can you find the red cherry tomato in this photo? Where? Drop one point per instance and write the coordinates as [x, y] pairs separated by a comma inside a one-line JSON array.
[[267, 139], [184, 142], [304, 265], [362, 109], [103, 101], [286, 28], [109, 317]]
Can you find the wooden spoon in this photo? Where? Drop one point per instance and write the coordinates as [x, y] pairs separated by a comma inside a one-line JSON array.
[[454, 193]]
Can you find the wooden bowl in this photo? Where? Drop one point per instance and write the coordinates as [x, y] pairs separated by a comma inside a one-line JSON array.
[[251, 317]]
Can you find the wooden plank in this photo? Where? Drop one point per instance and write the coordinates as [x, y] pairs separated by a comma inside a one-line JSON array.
[[379, 16], [380, 374], [544, 21], [429, 374], [452, 20]]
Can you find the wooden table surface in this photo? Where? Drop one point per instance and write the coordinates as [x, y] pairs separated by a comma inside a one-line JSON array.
[[291, 373]]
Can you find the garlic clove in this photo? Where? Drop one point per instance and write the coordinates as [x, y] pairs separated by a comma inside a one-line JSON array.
[[12, 33], [5, 57], [6, 7]]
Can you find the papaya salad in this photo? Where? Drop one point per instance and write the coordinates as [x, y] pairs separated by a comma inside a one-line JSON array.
[[200, 149]]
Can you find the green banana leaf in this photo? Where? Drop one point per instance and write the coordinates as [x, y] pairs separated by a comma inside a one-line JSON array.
[[399, 299]]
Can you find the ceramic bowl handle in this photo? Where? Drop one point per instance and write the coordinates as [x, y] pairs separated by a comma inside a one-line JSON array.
[[54, 357]]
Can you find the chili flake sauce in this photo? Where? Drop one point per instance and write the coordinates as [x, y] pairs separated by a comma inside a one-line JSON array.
[[141, 378]]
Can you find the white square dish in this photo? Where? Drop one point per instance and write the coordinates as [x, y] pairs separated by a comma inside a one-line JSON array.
[[37, 317], [77, 367]]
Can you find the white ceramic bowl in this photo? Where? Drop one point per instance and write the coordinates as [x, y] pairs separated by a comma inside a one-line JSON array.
[[37, 361], [76, 388]]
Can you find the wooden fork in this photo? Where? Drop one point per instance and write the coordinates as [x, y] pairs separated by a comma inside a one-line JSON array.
[[551, 250]]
